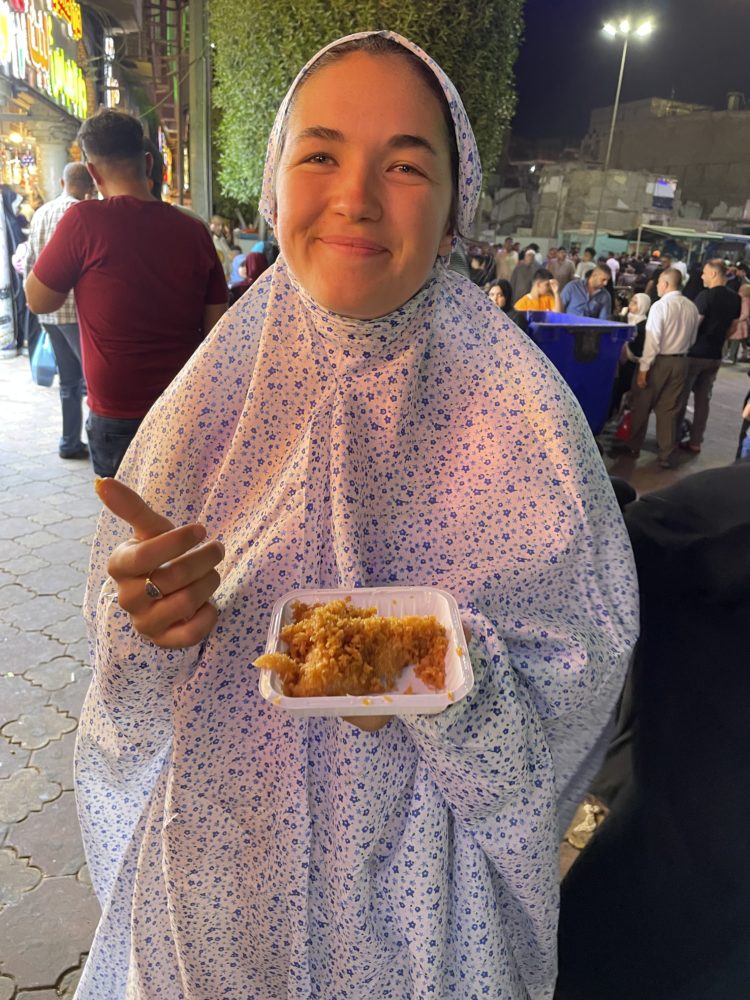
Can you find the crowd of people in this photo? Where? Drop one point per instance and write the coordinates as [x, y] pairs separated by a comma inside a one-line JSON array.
[[685, 325], [362, 416]]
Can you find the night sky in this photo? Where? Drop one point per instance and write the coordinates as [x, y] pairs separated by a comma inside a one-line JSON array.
[[566, 65]]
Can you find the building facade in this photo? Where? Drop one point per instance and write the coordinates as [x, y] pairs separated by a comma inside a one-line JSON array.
[[44, 92], [706, 151]]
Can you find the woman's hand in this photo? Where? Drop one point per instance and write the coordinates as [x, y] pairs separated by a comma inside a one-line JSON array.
[[173, 560], [369, 723]]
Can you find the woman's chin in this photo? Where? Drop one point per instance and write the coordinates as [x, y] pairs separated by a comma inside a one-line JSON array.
[[354, 306]]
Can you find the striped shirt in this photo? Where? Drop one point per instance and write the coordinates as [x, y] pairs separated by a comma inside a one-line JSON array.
[[43, 225]]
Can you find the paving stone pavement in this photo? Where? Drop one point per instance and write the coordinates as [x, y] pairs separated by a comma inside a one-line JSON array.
[[48, 911], [48, 509]]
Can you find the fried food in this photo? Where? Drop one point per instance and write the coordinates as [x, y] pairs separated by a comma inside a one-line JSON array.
[[337, 649]]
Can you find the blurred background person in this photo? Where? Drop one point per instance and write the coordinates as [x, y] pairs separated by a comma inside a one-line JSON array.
[[739, 329], [501, 294], [544, 294], [523, 274]]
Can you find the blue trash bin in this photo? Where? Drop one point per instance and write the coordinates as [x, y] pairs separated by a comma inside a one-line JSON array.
[[585, 351]]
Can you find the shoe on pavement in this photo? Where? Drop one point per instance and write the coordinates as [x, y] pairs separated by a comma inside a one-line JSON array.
[[80, 452], [694, 449], [664, 463]]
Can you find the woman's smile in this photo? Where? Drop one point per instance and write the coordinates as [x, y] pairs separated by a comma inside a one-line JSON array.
[[352, 246]]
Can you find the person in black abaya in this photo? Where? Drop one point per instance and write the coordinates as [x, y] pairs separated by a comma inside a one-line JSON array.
[[25, 331], [658, 905]]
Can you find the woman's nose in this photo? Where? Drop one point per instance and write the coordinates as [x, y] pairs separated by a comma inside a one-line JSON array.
[[357, 193]]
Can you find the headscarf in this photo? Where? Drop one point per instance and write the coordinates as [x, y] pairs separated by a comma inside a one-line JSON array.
[[470, 167], [238, 851], [235, 278], [643, 302]]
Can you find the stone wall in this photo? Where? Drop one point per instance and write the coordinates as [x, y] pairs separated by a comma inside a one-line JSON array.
[[569, 197], [708, 152]]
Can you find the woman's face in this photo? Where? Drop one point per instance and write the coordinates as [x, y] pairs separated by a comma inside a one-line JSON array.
[[633, 307], [496, 294], [363, 189]]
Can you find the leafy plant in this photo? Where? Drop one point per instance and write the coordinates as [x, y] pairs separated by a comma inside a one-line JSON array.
[[260, 47]]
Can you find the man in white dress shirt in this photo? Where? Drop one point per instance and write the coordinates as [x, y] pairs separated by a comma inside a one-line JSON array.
[[671, 330]]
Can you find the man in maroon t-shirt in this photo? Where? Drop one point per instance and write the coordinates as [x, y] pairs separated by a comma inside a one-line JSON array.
[[147, 281]]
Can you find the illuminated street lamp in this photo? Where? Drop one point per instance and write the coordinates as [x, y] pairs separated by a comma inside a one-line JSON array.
[[625, 30]]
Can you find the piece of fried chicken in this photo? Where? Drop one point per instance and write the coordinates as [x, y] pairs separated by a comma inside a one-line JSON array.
[[337, 649]]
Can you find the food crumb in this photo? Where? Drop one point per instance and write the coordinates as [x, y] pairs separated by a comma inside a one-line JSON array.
[[409, 690], [277, 700], [459, 651], [450, 695], [387, 697]]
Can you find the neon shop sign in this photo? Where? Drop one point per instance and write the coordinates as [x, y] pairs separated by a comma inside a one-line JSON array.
[[38, 45]]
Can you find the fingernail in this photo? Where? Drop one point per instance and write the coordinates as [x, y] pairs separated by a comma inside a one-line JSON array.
[[98, 485]]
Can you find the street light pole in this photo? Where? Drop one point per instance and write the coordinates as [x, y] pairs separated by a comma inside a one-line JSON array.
[[611, 138], [643, 30]]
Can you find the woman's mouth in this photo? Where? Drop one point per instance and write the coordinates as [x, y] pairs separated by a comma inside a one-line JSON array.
[[353, 245]]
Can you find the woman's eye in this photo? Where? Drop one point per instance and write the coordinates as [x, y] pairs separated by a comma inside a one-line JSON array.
[[318, 158], [407, 169]]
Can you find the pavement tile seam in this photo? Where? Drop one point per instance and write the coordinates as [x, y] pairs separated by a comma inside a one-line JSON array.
[[67, 983], [34, 730], [24, 564], [24, 792], [51, 839], [19, 875], [52, 673], [49, 931], [13, 594]]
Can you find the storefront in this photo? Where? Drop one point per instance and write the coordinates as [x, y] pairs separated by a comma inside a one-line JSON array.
[[43, 92]]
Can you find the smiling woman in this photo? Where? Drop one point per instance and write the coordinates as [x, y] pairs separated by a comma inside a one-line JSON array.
[[362, 417], [364, 209]]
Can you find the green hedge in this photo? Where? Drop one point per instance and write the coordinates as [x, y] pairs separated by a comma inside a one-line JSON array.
[[261, 45]]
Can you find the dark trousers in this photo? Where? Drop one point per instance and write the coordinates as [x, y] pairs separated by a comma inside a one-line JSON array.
[[66, 343], [700, 380], [109, 438]]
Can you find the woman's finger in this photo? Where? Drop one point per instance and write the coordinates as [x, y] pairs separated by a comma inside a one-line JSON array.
[[189, 633], [169, 578], [141, 559], [127, 505], [181, 606], [180, 573]]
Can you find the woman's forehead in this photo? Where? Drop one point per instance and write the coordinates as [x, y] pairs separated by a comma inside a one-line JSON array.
[[358, 90]]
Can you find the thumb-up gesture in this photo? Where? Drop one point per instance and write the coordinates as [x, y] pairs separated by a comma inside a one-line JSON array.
[[165, 577]]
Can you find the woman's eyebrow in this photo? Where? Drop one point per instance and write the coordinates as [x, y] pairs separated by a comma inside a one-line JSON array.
[[402, 140], [406, 141], [319, 132]]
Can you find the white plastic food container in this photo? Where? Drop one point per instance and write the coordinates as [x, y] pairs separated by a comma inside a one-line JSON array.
[[397, 602]]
